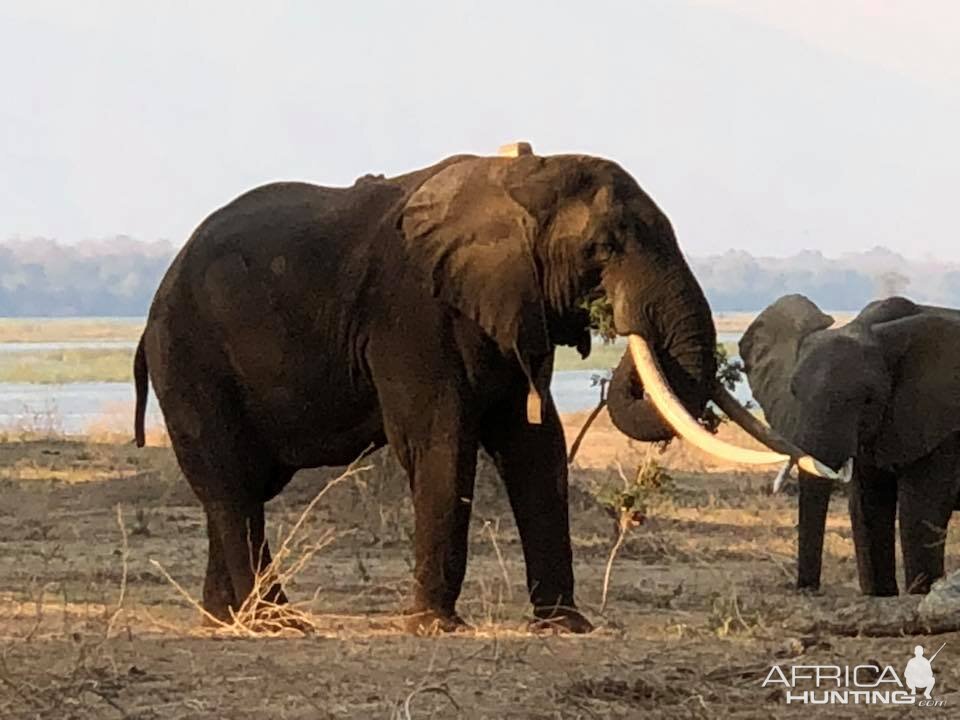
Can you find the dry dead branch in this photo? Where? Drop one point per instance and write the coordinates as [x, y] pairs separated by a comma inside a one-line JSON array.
[[488, 526], [403, 712], [259, 615], [124, 557]]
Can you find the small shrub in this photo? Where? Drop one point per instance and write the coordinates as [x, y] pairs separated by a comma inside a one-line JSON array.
[[631, 498]]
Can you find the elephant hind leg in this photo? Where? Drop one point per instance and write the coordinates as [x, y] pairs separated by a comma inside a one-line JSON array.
[[233, 476], [218, 595], [237, 531]]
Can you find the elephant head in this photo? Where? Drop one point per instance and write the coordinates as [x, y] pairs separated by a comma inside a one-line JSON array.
[[882, 389], [517, 244]]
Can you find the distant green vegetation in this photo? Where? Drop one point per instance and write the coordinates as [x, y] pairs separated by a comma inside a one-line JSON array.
[[606, 356], [112, 364], [67, 365], [115, 364]]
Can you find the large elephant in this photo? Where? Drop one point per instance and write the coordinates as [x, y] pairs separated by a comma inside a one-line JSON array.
[[302, 325], [885, 390]]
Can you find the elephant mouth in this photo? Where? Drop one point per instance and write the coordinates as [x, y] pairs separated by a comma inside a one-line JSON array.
[[781, 450]]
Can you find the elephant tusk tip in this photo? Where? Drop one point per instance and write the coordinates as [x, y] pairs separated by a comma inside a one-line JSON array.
[[815, 467], [846, 471], [782, 475]]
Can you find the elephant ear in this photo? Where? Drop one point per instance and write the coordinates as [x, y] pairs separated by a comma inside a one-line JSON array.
[[475, 242], [921, 353], [769, 352]]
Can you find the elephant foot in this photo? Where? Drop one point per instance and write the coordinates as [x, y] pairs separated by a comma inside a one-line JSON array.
[[214, 618], [558, 620], [920, 584], [218, 599], [881, 590], [433, 622]]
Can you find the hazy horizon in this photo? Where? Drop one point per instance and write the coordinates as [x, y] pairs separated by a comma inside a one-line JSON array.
[[757, 126], [157, 246], [118, 276]]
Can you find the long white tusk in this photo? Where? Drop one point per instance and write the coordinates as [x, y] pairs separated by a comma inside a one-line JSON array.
[[766, 435], [669, 405], [772, 439]]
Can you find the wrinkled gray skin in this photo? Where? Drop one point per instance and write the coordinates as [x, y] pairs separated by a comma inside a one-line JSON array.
[[301, 326], [885, 390]]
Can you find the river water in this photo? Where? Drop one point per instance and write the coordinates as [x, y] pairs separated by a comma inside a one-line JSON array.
[[77, 408]]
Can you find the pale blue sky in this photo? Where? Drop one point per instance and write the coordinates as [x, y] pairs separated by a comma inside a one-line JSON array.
[[762, 125]]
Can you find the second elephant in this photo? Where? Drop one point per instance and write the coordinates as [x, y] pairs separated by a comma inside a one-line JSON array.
[[884, 390]]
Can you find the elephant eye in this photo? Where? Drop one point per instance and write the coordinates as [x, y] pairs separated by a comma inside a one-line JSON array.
[[602, 250]]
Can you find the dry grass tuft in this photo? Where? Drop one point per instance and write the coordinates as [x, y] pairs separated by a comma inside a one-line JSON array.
[[92, 680], [259, 615]]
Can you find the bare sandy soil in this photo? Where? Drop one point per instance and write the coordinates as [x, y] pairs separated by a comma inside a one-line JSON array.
[[700, 603]]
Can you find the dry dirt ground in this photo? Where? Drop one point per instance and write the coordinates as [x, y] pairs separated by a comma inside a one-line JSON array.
[[700, 602]]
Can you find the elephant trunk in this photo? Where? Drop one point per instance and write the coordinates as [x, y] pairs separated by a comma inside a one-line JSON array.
[[678, 376], [675, 318]]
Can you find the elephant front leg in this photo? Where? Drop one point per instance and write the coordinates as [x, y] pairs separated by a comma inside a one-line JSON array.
[[533, 464], [873, 509], [442, 479], [814, 506], [927, 495]]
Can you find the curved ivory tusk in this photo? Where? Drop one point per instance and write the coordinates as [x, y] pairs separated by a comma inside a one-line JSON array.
[[663, 397], [769, 437]]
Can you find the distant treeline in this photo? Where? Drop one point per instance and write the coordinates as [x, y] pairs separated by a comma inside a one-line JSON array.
[[738, 281], [109, 277], [118, 276]]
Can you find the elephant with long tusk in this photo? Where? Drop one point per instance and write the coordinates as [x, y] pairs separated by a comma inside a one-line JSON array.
[[302, 325]]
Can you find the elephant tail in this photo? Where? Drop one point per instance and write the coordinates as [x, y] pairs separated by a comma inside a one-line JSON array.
[[141, 381]]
